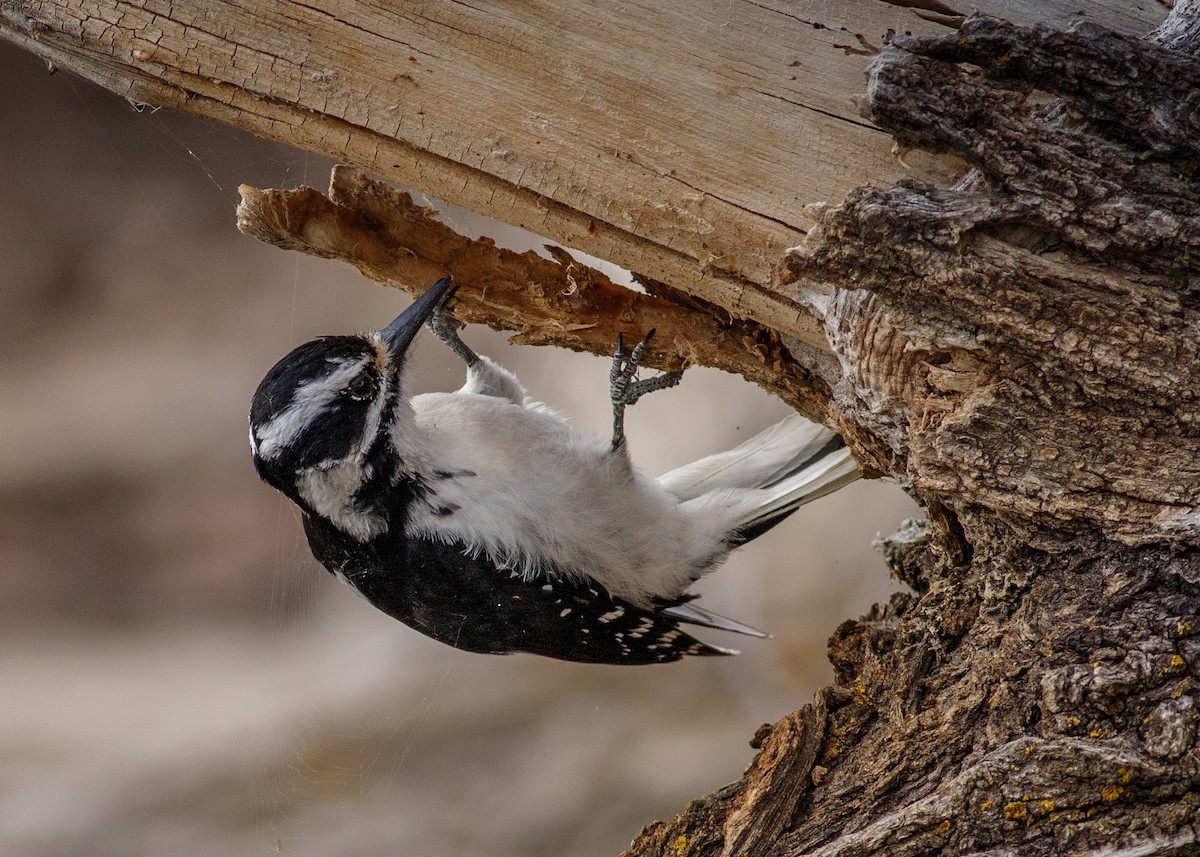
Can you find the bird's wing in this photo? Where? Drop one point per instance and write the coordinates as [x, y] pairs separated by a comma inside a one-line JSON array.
[[471, 604], [467, 602]]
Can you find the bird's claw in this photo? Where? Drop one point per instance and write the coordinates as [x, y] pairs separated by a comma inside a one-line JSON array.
[[445, 327], [624, 387]]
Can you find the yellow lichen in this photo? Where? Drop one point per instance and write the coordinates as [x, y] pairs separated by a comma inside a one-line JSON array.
[[1018, 810], [1047, 805], [1111, 793], [986, 805], [680, 845]]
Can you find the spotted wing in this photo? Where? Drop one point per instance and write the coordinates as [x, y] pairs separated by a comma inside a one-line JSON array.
[[468, 603]]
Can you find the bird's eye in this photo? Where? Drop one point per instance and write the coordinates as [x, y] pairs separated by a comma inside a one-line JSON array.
[[361, 388]]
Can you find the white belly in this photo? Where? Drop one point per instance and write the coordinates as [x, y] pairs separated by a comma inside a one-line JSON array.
[[545, 499]]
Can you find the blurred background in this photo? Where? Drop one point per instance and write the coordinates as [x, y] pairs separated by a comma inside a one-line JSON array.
[[178, 675]]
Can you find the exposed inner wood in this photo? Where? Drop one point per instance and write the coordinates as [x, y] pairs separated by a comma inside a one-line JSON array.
[[561, 302]]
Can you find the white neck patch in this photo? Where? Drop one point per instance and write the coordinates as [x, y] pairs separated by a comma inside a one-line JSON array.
[[331, 491]]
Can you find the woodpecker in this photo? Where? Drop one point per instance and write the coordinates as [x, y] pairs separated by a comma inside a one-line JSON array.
[[482, 519]]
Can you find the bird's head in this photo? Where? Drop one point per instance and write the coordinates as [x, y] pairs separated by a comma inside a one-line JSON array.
[[328, 422]]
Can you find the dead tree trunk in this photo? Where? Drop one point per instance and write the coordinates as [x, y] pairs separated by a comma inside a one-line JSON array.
[[1020, 350]]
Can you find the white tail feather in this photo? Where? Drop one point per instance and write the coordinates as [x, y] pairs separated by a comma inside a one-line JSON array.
[[751, 464], [823, 476], [762, 480]]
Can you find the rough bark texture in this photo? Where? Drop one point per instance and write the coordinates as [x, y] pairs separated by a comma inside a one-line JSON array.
[[1019, 350], [990, 324]]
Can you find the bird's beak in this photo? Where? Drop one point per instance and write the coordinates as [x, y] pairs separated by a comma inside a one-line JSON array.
[[400, 333]]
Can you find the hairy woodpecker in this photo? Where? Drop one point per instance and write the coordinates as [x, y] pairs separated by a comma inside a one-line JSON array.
[[483, 520]]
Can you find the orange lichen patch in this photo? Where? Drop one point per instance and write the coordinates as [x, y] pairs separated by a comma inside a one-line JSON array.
[[1018, 810]]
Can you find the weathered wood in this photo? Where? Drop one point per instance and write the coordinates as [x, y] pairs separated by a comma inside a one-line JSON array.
[[1019, 349], [561, 301], [1021, 352], [681, 140]]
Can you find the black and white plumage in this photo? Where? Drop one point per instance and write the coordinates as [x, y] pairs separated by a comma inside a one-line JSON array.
[[483, 520]]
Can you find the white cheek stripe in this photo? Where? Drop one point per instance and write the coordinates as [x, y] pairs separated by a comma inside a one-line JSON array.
[[309, 400]]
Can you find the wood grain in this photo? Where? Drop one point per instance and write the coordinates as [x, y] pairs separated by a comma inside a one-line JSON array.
[[1019, 351], [559, 301], [681, 140]]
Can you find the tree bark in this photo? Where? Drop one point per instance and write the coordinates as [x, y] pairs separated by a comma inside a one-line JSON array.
[[1019, 349], [681, 140]]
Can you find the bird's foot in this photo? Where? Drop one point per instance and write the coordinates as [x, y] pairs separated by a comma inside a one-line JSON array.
[[446, 327], [624, 387]]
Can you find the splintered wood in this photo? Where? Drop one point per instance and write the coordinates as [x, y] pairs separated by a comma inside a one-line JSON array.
[[557, 301]]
